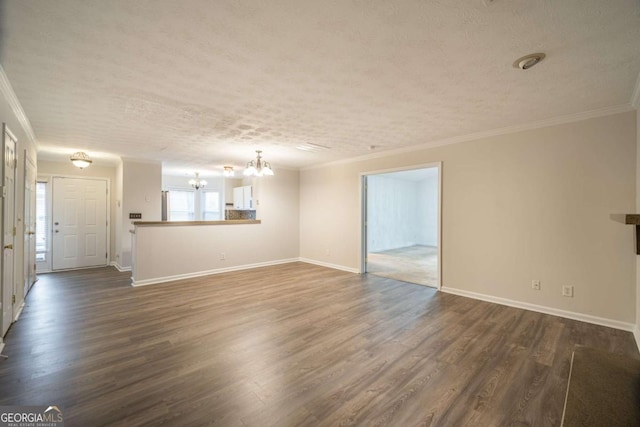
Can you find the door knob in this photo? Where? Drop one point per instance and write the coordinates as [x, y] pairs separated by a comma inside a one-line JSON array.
[[8, 246]]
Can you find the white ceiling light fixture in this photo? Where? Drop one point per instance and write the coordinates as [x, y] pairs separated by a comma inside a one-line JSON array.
[[228, 171], [197, 183], [258, 167], [528, 61], [81, 160]]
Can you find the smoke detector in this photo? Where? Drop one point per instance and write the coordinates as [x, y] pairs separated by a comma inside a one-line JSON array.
[[528, 61]]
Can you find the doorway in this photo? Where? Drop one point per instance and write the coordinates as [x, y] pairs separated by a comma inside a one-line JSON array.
[[43, 226], [8, 226], [29, 247], [401, 225], [79, 223]]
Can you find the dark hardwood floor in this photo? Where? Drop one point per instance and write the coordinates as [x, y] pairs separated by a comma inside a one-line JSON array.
[[288, 345]]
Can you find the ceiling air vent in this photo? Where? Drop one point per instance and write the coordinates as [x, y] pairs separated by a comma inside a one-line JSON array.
[[307, 146]]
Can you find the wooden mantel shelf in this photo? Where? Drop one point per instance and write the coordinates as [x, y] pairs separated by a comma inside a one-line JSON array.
[[630, 219]]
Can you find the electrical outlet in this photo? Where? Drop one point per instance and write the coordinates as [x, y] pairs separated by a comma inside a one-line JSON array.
[[223, 256], [567, 291], [535, 284]]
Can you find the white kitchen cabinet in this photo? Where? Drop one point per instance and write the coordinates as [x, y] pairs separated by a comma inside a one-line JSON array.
[[238, 198], [243, 197]]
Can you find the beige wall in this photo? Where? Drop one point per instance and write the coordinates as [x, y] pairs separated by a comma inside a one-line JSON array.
[[49, 169], [528, 205], [164, 252], [636, 330], [141, 193]]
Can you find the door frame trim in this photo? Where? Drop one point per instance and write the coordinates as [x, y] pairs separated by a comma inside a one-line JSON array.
[[28, 160], [7, 131], [363, 211]]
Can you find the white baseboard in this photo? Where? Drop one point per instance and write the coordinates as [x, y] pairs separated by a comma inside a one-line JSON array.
[[1, 345], [19, 312], [329, 265], [119, 267], [616, 324], [636, 335], [165, 279]]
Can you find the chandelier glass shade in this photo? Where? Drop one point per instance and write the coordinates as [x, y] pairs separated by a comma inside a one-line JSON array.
[[197, 183], [258, 167]]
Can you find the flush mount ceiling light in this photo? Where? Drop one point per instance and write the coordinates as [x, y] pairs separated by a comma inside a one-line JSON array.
[[228, 171], [81, 160], [528, 61], [197, 183], [258, 167]]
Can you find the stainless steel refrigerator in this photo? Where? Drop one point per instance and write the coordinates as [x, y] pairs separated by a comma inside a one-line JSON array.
[[165, 205]]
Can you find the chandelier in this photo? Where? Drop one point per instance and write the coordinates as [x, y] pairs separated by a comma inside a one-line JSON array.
[[258, 167], [80, 160], [197, 183], [228, 171]]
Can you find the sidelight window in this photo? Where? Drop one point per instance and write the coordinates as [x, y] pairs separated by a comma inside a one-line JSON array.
[[42, 220]]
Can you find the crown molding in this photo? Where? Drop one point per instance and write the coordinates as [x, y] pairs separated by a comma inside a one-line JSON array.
[[635, 96], [554, 121], [16, 107]]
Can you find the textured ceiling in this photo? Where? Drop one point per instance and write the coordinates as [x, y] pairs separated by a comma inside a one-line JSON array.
[[200, 84]]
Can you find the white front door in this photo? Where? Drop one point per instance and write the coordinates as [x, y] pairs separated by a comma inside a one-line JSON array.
[[29, 223], [79, 223], [8, 226]]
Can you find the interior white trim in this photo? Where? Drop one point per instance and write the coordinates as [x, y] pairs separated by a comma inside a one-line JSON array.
[[19, 311], [49, 179], [119, 267], [440, 199], [329, 265], [16, 107], [153, 281], [362, 254], [1, 345], [635, 96], [568, 118], [403, 168], [636, 335], [616, 324]]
